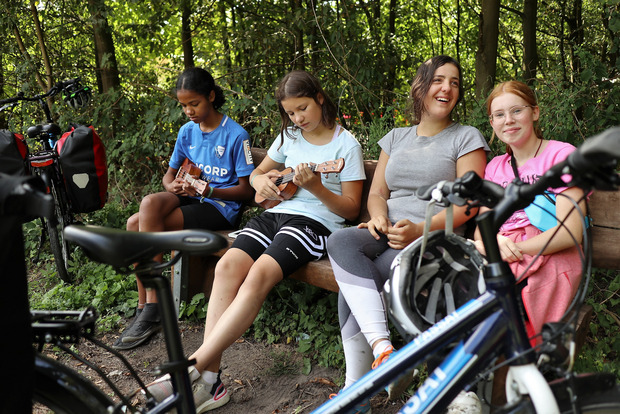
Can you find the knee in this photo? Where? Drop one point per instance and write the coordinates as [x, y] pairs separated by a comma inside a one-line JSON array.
[[133, 222], [335, 243], [229, 272], [149, 203]]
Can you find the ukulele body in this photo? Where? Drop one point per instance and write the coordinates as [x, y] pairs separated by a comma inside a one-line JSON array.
[[190, 173], [287, 190], [285, 182]]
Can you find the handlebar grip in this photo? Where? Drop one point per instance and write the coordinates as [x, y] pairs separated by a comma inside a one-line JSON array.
[[425, 192], [600, 149]]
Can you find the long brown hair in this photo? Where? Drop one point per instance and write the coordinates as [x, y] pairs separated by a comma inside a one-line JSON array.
[[520, 89], [301, 84], [422, 83]]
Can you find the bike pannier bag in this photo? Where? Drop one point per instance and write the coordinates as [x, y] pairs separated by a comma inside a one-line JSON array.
[[13, 154], [83, 161]]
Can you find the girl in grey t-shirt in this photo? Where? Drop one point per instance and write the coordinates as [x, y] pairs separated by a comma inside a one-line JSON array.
[[435, 149]]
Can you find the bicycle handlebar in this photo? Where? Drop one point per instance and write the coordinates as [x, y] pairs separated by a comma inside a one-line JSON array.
[[54, 90]]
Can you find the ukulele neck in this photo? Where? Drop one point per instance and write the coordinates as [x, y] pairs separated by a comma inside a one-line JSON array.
[[289, 176]]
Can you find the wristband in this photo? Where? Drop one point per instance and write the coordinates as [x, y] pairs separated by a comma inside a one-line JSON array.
[[252, 180], [210, 192]]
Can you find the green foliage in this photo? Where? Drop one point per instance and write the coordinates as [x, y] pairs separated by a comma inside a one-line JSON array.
[[305, 314], [97, 285], [602, 348], [195, 310]]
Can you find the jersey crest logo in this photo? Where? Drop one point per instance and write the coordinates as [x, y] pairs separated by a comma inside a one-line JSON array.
[[219, 151]]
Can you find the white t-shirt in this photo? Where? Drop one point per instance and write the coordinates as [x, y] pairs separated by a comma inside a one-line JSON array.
[[297, 151]]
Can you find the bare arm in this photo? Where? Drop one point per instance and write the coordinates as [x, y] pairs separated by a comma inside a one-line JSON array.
[[404, 231], [563, 239], [262, 179]]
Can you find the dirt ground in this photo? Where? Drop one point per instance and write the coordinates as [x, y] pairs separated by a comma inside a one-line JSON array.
[[261, 378]]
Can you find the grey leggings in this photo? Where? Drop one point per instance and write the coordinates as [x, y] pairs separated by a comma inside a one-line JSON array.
[[361, 266]]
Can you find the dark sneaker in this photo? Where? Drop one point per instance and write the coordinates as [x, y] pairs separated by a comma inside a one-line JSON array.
[[119, 340], [207, 396], [142, 328]]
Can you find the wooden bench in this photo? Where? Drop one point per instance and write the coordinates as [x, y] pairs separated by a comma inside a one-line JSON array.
[[194, 274]]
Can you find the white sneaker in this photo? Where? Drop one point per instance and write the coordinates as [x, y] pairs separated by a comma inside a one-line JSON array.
[[207, 397], [465, 403]]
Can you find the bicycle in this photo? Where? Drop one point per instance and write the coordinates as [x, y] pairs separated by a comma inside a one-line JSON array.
[[57, 386], [481, 330], [44, 162]]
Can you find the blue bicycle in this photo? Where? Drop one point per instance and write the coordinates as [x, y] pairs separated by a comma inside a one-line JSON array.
[[482, 329]]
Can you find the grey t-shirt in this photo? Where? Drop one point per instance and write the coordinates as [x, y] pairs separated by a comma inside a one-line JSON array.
[[416, 161]]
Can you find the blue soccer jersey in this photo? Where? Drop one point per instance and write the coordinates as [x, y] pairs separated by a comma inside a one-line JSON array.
[[223, 155]]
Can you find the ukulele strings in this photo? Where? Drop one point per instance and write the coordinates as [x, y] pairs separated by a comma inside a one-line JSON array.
[[289, 176]]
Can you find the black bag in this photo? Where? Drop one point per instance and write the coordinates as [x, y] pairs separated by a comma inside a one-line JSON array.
[[84, 166], [13, 154]]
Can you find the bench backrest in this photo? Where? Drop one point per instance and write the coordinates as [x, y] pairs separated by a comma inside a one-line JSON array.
[[604, 210]]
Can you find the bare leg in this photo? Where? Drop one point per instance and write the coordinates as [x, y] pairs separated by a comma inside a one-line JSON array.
[[158, 212], [230, 314]]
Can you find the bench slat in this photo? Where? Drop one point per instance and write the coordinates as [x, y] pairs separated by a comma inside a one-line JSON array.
[[605, 213]]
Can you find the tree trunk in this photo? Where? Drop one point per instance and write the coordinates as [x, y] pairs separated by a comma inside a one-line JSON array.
[[530, 52], [574, 20], [26, 55], [225, 37], [186, 34], [44, 56], [299, 52], [105, 55], [486, 56]]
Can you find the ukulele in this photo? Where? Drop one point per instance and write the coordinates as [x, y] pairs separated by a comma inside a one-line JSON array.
[[189, 172], [285, 182]]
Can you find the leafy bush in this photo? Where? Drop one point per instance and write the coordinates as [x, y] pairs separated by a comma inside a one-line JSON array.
[[602, 348]]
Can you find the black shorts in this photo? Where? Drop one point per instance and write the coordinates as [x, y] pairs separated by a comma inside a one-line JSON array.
[[292, 240], [197, 215]]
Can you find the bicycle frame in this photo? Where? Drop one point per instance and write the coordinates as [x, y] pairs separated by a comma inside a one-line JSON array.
[[495, 315]]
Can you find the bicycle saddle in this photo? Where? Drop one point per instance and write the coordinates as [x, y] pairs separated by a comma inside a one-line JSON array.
[[121, 248]]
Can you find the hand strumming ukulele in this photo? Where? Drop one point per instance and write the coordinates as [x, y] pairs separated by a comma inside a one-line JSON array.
[[190, 173], [285, 182]]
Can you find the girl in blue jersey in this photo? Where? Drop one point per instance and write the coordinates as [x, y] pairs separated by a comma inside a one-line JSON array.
[[284, 238], [220, 148]]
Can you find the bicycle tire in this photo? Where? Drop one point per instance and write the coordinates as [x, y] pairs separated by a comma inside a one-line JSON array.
[[58, 245], [605, 402], [599, 396], [64, 391]]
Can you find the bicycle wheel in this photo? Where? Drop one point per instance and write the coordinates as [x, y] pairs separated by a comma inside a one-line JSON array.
[[605, 402], [595, 394], [64, 391], [62, 218]]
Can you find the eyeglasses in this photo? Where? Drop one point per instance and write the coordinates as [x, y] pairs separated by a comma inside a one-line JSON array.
[[516, 112]]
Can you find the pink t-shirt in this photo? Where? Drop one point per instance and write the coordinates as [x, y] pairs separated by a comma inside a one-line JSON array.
[[500, 171]]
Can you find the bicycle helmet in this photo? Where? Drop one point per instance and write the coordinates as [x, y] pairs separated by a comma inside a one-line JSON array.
[[76, 95], [449, 275]]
